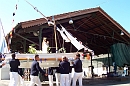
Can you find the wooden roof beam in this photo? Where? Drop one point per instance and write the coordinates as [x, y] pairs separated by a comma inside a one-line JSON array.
[[113, 30]]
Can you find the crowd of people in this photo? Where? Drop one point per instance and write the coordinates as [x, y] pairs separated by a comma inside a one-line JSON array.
[[62, 73]]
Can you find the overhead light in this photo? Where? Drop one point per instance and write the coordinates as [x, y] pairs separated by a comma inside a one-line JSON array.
[[37, 31], [35, 34], [70, 21], [122, 33]]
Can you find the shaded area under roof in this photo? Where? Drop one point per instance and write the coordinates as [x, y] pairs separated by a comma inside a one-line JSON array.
[[93, 27]]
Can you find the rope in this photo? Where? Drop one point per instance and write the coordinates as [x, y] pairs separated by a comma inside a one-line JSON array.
[[102, 3], [35, 8]]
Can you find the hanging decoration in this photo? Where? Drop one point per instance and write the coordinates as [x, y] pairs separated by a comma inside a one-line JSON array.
[[14, 13], [12, 31]]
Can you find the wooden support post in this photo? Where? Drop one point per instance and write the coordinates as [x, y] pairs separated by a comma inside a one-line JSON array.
[[40, 38]]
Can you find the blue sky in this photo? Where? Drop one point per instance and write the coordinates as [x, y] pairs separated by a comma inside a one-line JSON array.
[[117, 9]]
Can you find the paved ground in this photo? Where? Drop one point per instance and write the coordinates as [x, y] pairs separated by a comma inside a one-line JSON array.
[[119, 81]]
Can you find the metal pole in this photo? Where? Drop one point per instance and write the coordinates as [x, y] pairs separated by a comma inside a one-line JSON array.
[[109, 61], [35, 8], [40, 38], [91, 66]]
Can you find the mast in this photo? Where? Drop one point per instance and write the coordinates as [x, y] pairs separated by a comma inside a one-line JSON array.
[[55, 33], [49, 22]]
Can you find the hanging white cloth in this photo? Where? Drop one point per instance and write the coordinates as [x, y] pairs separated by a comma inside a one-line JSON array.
[[63, 35], [73, 40]]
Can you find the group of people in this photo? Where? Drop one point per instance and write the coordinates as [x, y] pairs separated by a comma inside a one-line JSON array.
[[16, 73], [63, 72]]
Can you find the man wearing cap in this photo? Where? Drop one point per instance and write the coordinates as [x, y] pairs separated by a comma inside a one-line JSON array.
[[35, 69], [77, 64], [64, 70]]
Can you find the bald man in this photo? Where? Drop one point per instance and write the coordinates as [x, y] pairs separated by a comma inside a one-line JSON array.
[[64, 70]]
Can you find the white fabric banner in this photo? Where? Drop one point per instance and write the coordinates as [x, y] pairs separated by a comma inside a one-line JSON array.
[[63, 35], [3, 44], [73, 40]]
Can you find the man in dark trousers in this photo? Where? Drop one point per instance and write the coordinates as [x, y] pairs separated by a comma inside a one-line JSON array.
[[35, 69], [14, 77], [77, 64], [64, 70]]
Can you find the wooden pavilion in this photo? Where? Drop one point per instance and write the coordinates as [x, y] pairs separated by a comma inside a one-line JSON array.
[[93, 27]]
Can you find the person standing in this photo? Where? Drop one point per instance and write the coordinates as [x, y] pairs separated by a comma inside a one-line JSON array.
[[50, 76], [64, 70], [115, 68], [70, 75], [57, 75], [125, 70], [14, 77], [35, 69], [21, 77], [77, 64]]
